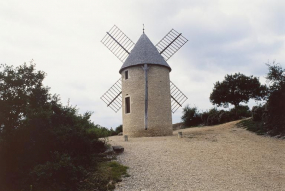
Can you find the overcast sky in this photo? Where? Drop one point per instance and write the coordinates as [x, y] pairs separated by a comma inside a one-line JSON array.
[[63, 38]]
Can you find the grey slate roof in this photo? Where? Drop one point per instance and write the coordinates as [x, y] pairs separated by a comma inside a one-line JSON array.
[[144, 52]]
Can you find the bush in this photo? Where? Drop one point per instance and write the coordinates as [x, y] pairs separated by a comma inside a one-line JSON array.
[[241, 111], [119, 129], [255, 126], [257, 112], [42, 142], [214, 116], [191, 116], [55, 174], [270, 118], [276, 106], [276, 111]]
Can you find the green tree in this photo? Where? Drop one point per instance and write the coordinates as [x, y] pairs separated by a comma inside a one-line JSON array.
[[21, 92], [275, 76], [276, 97], [42, 142], [119, 129], [191, 116], [235, 89]]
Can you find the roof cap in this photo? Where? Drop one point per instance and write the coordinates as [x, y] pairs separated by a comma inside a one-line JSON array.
[[144, 52]]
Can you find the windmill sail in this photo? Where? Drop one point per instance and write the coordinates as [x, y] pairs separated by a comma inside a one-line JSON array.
[[177, 97], [113, 97], [170, 44], [118, 43]]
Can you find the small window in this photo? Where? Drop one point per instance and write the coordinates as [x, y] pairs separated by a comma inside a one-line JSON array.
[[127, 105], [126, 74]]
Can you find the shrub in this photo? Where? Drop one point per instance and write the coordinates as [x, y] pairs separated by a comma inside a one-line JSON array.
[[257, 113], [119, 129], [276, 111], [191, 116], [276, 106], [240, 112], [214, 116], [42, 142]]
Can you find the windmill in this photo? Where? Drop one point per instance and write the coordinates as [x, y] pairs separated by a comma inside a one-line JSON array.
[[144, 90]]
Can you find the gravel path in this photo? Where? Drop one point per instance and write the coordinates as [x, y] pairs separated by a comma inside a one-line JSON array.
[[220, 157]]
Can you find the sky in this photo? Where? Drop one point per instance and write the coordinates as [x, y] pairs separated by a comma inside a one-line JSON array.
[[63, 38]]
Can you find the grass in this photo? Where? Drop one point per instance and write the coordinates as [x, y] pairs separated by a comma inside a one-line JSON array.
[[106, 175], [254, 126]]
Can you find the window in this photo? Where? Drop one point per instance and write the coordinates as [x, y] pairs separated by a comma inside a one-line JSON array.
[[126, 74], [127, 105]]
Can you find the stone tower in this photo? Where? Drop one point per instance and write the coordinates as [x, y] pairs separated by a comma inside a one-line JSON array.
[[159, 118], [144, 92]]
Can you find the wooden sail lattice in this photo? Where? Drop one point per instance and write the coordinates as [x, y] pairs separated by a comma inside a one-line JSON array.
[[118, 43], [170, 44], [113, 96], [177, 97]]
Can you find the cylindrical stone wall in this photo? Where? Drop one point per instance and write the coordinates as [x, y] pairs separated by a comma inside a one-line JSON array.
[[159, 102]]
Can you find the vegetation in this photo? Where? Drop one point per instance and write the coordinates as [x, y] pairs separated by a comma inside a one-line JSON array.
[[235, 89], [192, 117], [118, 130], [105, 176], [254, 126], [43, 143], [275, 114], [270, 118]]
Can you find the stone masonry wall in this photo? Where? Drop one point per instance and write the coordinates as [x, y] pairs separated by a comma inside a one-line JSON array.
[[159, 102]]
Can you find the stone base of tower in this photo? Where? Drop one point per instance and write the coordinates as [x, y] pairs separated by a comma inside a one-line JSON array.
[[134, 102], [150, 132]]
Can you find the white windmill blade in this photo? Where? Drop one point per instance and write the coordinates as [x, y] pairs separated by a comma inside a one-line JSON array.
[[118, 43], [113, 96], [170, 44], [177, 97]]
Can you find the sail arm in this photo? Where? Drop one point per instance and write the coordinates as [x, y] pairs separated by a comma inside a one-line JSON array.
[[177, 97], [170, 44], [113, 96], [118, 43]]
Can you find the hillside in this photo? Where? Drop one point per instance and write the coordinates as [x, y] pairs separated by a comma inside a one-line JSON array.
[[221, 157]]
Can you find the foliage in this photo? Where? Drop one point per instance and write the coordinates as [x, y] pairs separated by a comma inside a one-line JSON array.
[[235, 89], [99, 131], [191, 116], [257, 112], [119, 129], [251, 125], [42, 142], [276, 105], [105, 176], [241, 111], [211, 117], [276, 76], [270, 118], [116, 131]]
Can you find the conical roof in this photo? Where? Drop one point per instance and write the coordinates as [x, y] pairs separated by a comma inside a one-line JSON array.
[[144, 52]]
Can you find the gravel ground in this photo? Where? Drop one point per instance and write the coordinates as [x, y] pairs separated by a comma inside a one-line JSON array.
[[219, 157]]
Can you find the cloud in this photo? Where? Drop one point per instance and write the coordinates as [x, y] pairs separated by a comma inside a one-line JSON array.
[[63, 38]]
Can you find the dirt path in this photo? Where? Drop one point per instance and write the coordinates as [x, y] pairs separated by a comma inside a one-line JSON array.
[[220, 157]]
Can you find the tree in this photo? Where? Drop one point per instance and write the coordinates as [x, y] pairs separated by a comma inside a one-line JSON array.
[[276, 76], [275, 102], [119, 129], [42, 142], [21, 91], [237, 88], [191, 116]]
